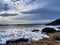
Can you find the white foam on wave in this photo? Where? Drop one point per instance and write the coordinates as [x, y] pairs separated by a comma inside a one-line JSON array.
[[14, 34]]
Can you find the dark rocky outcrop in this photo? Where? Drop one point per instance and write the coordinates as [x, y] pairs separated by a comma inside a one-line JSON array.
[[58, 27], [49, 30], [56, 22], [18, 40], [35, 30]]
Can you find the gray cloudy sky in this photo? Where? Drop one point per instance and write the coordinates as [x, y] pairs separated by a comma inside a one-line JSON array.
[[29, 11]]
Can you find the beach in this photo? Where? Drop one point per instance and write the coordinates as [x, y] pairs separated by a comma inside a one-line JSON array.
[[50, 41], [45, 41]]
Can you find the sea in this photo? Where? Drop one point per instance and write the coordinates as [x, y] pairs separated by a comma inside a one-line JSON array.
[[14, 32]]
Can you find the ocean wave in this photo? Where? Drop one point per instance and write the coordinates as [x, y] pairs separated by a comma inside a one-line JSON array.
[[14, 34]]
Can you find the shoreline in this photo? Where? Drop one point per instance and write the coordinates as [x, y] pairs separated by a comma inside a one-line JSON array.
[[50, 41]]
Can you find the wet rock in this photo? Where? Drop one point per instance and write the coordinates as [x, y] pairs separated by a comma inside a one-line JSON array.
[[49, 30], [18, 40], [35, 30]]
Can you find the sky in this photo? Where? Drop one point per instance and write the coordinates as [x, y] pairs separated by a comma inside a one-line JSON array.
[[29, 11]]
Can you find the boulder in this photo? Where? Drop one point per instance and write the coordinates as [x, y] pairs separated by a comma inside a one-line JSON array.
[[18, 40], [49, 30], [35, 30]]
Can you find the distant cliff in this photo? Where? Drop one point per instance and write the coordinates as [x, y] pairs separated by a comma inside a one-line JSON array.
[[56, 22]]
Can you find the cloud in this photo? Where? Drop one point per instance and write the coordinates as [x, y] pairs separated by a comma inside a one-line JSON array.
[[25, 5], [24, 21], [54, 8], [38, 11], [54, 5]]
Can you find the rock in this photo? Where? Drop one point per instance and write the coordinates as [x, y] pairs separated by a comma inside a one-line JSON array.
[[18, 40], [49, 30], [35, 30], [57, 37]]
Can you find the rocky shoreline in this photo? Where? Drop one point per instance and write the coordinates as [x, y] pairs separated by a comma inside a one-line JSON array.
[[50, 41]]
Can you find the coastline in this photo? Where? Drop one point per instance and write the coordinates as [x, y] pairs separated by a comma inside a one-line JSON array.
[[50, 41]]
